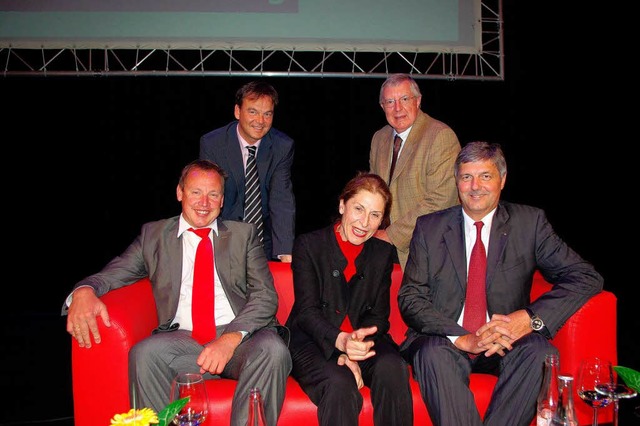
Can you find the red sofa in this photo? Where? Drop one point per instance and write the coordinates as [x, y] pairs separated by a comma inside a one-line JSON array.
[[100, 386]]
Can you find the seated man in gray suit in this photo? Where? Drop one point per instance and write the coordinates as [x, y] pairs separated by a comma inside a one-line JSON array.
[[243, 343], [510, 338]]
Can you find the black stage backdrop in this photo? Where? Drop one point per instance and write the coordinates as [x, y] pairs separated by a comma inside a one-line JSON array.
[[88, 160]]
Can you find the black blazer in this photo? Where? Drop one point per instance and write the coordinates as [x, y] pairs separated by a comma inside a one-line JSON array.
[[434, 282], [274, 161], [323, 297]]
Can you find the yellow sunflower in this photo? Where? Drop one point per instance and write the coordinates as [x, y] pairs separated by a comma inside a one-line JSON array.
[[139, 417]]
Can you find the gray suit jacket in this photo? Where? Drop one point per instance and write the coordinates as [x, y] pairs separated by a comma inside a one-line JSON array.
[[434, 283], [157, 253], [423, 180]]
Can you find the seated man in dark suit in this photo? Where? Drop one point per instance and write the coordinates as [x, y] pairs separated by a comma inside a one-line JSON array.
[[510, 337]]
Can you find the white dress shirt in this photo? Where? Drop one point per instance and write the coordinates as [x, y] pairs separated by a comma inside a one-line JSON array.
[[470, 234], [223, 312]]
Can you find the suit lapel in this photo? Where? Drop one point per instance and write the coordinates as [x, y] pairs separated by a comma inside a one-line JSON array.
[[497, 241], [411, 145], [337, 264], [454, 240], [384, 159], [174, 249], [234, 164], [221, 254], [264, 158]]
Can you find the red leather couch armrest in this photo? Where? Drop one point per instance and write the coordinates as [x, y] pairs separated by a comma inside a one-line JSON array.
[[100, 384], [591, 331]]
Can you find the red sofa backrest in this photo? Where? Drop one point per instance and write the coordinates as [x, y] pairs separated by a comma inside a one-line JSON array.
[[283, 279]]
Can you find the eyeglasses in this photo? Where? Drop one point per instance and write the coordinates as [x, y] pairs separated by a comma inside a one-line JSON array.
[[390, 103]]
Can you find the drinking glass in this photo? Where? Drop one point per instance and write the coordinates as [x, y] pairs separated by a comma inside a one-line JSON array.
[[191, 385], [616, 391], [594, 372]]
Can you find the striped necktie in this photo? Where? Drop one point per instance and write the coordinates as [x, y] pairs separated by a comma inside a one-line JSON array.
[[252, 201]]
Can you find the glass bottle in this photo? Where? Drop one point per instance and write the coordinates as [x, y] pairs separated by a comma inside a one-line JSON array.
[[548, 396], [565, 414], [256, 409]]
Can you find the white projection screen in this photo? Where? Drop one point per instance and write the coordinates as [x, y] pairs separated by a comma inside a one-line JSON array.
[[447, 27]]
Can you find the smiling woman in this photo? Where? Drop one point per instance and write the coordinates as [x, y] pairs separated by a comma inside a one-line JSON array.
[[340, 317]]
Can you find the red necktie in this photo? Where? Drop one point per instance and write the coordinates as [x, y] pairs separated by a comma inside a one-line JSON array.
[[397, 142], [202, 298], [475, 304]]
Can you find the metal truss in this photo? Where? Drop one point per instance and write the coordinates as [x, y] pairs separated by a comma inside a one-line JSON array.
[[486, 64]]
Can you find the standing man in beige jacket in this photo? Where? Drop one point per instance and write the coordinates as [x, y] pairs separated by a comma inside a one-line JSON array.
[[422, 180]]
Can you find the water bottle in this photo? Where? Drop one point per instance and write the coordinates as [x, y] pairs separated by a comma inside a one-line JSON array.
[[548, 396], [565, 414], [256, 409]]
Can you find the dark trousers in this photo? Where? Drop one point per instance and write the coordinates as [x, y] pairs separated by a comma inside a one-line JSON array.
[[442, 371], [333, 388]]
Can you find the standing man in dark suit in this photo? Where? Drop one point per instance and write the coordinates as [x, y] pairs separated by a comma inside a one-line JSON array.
[[227, 147], [513, 341], [247, 346]]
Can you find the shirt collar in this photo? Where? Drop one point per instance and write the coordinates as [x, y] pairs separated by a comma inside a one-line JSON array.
[[469, 223], [184, 226], [404, 134], [244, 143]]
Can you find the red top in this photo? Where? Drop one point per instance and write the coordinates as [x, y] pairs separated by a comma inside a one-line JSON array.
[[350, 251]]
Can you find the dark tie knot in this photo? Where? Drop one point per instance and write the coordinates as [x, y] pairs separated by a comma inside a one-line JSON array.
[[397, 141], [252, 151]]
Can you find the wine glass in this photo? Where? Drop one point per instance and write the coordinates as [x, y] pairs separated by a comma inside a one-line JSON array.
[[191, 385], [616, 391], [594, 372]]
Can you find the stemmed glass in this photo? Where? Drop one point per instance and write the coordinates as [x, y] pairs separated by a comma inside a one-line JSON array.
[[616, 391], [191, 385], [594, 372]]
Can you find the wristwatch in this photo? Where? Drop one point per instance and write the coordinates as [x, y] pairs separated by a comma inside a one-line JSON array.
[[536, 322]]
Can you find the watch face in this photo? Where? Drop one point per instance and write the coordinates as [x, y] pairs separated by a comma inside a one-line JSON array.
[[536, 323]]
